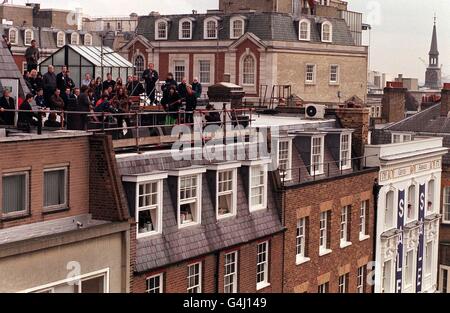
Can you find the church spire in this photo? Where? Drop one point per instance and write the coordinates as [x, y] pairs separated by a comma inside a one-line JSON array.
[[434, 52]]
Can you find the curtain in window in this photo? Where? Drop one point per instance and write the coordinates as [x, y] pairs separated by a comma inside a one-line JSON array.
[[54, 185], [14, 193]]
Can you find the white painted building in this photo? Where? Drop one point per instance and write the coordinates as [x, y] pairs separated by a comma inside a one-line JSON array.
[[407, 217]]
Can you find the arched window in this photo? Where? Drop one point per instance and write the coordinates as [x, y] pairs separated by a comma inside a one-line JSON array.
[[139, 65], [161, 29], [249, 70], [327, 32], [430, 199], [185, 29], [237, 27], [60, 39], [74, 39], [210, 30], [88, 40], [13, 36], [305, 30], [28, 37]]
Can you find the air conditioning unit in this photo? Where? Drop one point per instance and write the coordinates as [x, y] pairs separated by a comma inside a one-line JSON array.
[[315, 111]]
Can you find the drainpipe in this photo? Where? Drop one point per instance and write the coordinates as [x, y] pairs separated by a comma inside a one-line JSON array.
[[375, 191], [216, 275]]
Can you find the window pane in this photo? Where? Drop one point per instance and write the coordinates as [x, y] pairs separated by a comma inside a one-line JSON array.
[[54, 188], [14, 193]]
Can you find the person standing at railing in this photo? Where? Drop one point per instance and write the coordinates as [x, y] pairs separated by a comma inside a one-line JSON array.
[[171, 103], [168, 83], [97, 89], [39, 99], [84, 105], [109, 82], [29, 118], [150, 77], [191, 104], [32, 56], [61, 79], [35, 82], [49, 81], [197, 87], [182, 88], [7, 103]]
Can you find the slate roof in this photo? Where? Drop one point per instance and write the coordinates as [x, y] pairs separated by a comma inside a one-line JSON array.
[[427, 121], [175, 245], [8, 68], [46, 37], [268, 26]]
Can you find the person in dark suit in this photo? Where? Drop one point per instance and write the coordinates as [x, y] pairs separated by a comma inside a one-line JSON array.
[[151, 77], [61, 79], [27, 119], [7, 103]]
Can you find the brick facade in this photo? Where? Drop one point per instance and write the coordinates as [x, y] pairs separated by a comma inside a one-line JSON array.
[[309, 201], [175, 276]]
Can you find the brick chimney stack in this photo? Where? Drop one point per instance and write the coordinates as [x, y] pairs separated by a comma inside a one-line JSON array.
[[394, 101], [445, 100]]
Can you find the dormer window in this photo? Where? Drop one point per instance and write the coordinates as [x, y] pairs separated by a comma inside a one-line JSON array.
[[28, 37], [257, 183], [305, 30], [13, 36], [327, 32], [161, 29], [185, 29], [211, 28], [285, 159], [88, 40], [148, 191], [226, 188], [236, 27], [317, 155], [346, 143], [189, 195], [74, 39], [60, 39], [400, 137]]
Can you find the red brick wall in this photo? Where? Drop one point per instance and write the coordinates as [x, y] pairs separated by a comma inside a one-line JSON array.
[[40, 153], [444, 231], [320, 197], [241, 49], [219, 67], [163, 65], [175, 276], [19, 59], [142, 50]]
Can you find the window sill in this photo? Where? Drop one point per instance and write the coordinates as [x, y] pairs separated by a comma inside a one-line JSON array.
[[301, 260], [310, 83], [146, 235], [53, 211], [333, 84], [225, 216], [363, 237], [14, 217], [345, 244], [325, 252], [260, 286], [189, 224]]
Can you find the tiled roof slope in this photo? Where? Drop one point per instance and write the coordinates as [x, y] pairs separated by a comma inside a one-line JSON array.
[[8, 68], [175, 245], [266, 26]]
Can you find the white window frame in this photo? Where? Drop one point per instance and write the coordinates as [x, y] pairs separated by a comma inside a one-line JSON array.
[[231, 271], [287, 176], [389, 210], [74, 38], [262, 206], [323, 288], [66, 188], [88, 42], [428, 260], [160, 288], [49, 288], [387, 280], [27, 194], [412, 200], [344, 227], [335, 80], [60, 39], [200, 72], [232, 28], [409, 265], [180, 29], [446, 205], [309, 81], [232, 193], [323, 233], [443, 268], [28, 31], [360, 281], [363, 231], [193, 274], [308, 30], [205, 28], [177, 63], [197, 200], [262, 265], [300, 242], [400, 137], [166, 29], [245, 74], [16, 35], [346, 147], [317, 168], [157, 229], [431, 196], [330, 39], [343, 283]]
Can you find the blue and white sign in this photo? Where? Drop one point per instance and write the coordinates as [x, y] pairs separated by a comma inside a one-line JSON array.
[[421, 238], [400, 222]]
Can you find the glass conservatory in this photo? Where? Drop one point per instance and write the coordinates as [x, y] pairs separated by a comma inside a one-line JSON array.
[[82, 60]]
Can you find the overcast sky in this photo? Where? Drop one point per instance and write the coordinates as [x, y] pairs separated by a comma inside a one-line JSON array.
[[401, 30]]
